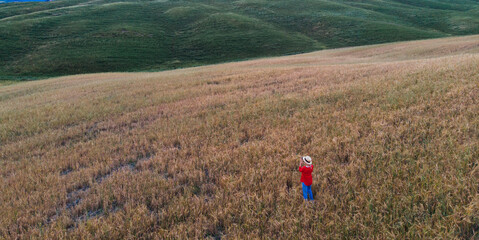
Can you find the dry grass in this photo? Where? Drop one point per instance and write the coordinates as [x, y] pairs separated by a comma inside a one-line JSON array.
[[212, 152]]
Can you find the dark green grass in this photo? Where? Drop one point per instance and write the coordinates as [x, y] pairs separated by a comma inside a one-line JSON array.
[[78, 36]]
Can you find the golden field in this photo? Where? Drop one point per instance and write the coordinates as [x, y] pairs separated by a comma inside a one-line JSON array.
[[212, 152]]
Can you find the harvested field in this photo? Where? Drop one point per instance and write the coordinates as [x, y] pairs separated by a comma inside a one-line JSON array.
[[212, 152]]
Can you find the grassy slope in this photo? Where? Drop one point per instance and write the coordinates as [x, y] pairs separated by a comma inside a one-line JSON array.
[[79, 36], [213, 151]]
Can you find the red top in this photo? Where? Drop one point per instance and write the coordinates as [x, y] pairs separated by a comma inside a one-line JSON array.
[[306, 177]]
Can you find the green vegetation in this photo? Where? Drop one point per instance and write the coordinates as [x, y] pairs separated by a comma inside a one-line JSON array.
[[7, 82], [80, 36]]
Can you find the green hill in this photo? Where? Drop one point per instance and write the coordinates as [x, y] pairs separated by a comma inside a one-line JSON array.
[[83, 36]]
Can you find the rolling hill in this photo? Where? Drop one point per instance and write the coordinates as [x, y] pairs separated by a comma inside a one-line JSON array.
[[84, 36], [212, 152]]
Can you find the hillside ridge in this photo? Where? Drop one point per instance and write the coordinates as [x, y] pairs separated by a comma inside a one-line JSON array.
[[66, 37]]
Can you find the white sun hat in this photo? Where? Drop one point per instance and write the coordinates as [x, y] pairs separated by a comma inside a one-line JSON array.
[[307, 160]]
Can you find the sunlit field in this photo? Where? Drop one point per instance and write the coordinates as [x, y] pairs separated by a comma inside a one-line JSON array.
[[213, 151]]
